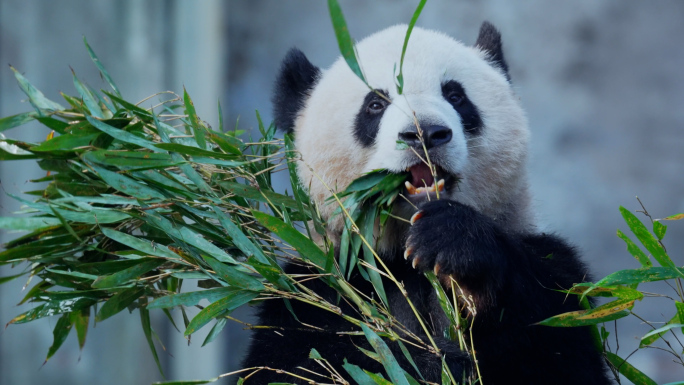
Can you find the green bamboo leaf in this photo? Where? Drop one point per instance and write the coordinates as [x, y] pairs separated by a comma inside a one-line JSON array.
[[300, 196], [661, 330], [226, 304], [659, 230], [27, 223], [606, 312], [378, 378], [590, 289], [53, 124], [54, 307], [444, 302], [365, 182], [147, 329], [80, 320], [394, 371], [37, 99], [680, 312], [630, 372], [132, 160], [344, 40], [401, 145], [141, 113], [16, 120], [215, 330], [9, 151], [122, 135], [220, 116], [92, 216], [100, 67], [186, 235], [409, 358], [140, 244], [60, 333], [646, 238], [66, 142], [414, 19], [233, 276], [117, 279], [195, 177], [648, 340], [66, 225], [367, 229], [127, 185], [273, 273], [11, 277], [635, 250], [240, 240], [194, 151], [644, 274], [315, 355], [675, 217], [361, 377], [194, 120], [306, 248], [229, 144], [263, 196], [191, 298], [118, 302], [90, 101]]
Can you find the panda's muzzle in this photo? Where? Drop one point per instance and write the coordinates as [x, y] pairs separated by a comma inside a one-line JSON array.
[[422, 180]]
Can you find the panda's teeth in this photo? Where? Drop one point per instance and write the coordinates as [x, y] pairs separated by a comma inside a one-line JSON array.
[[410, 188], [413, 190]]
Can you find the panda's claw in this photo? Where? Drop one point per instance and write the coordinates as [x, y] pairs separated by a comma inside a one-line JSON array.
[[416, 216], [436, 269], [415, 261], [408, 252]]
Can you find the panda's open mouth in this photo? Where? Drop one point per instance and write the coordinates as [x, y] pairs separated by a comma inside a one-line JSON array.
[[421, 181]]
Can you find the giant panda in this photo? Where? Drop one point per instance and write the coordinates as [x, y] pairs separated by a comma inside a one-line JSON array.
[[481, 231]]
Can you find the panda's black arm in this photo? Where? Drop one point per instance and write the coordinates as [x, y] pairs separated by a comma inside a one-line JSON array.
[[515, 282], [455, 240]]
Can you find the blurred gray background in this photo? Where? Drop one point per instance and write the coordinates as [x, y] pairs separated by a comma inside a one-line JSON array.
[[602, 81]]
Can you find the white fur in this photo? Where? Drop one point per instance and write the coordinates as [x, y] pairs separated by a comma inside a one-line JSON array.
[[492, 164]]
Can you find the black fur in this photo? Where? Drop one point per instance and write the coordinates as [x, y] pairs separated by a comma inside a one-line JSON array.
[[513, 279], [296, 79], [489, 40], [454, 93], [367, 122]]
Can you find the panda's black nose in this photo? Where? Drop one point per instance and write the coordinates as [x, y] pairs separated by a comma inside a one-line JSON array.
[[433, 136]]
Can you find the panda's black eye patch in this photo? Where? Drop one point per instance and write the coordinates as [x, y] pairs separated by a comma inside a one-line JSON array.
[[367, 121], [454, 93]]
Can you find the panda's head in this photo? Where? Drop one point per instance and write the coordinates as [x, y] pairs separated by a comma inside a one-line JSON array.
[[460, 96]]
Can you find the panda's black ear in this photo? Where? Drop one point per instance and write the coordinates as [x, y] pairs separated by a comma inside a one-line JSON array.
[[295, 80], [489, 40]]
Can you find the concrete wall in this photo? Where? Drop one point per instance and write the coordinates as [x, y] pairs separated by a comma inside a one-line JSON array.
[[602, 83]]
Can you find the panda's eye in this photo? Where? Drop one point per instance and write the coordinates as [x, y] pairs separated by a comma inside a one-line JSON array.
[[455, 97], [376, 106]]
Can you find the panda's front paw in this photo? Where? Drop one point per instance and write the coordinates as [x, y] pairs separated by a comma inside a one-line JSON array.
[[453, 239]]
